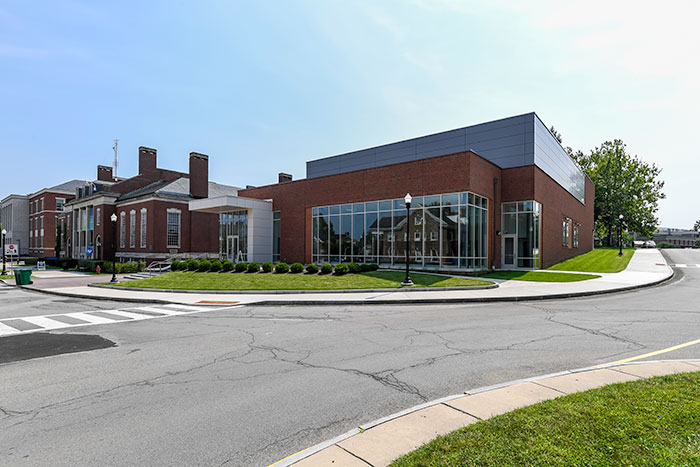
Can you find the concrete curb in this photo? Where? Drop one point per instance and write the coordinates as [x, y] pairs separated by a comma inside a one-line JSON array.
[[295, 292], [366, 429], [413, 301]]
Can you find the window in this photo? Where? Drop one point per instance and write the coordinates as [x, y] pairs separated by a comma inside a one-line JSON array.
[[143, 228], [173, 229], [416, 236], [575, 238], [41, 230], [122, 229], [42, 204], [565, 233], [276, 235], [59, 203], [433, 236], [36, 206], [98, 216], [132, 229]]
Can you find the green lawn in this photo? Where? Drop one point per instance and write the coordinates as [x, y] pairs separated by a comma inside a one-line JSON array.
[[598, 260], [7, 277], [540, 276], [243, 281], [649, 422]]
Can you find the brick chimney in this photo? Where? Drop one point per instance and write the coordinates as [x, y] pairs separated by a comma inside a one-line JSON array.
[[104, 173], [199, 175], [147, 159], [284, 178]]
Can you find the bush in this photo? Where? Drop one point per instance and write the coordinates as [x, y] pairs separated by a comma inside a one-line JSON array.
[[122, 268], [282, 268], [29, 261], [296, 268], [191, 264], [354, 268], [142, 266], [253, 267], [341, 269], [215, 266], [227, 266], [241, 267], [326, 269], [311, 268], [204, 266], [69, 263], [665, 245], [175, 265], [367, 267], [267, 266]]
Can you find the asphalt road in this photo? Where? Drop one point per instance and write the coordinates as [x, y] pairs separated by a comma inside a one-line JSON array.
[[251, 385]]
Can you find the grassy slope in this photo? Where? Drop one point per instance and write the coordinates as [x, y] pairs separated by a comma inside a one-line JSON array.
[[540, 276], [244, 281], [598, 260], [650, 422]]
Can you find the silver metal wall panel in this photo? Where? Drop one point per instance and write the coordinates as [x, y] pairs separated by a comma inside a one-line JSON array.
[[555, 162], [510, 142]]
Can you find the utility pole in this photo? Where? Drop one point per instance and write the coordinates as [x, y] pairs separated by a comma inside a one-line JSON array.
[[115, 165]]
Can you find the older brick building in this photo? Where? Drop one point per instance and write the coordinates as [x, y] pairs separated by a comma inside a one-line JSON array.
[[153, 220], [501, 194]]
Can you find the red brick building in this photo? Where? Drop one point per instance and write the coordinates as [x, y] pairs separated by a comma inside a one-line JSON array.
[[501, 194], [153, 220]]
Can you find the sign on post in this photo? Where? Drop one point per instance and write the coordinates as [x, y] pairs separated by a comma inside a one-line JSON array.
[[11, 250], [88, 251], [41, 265]]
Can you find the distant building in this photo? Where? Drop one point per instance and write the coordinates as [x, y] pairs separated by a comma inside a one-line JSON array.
[[14, 216], [682, 238]]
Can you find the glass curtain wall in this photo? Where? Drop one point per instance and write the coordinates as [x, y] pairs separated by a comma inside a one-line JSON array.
[[446, 231], [233, 235], [523, 219]]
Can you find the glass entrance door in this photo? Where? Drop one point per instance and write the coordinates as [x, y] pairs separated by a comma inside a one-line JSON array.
[[232, 248], [509, 259]]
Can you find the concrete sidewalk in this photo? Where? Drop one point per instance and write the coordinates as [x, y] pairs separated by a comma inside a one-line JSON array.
[[380, 442], [647, 267]]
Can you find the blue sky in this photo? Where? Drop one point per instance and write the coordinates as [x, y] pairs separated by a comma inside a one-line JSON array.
[[262, 87]]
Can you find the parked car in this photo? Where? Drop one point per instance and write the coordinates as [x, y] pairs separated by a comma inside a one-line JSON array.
[[650, 244]]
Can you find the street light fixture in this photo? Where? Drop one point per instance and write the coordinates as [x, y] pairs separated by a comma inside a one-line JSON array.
[[113, 218], [407, 199], [4, 271], [619, 234]]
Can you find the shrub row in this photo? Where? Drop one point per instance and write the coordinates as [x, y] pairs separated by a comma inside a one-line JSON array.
[[123, 268], [267, 267]]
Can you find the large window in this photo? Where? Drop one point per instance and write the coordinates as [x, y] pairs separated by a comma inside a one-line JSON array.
[[173, 230], [446, 231], [122, 229], [522, 219], [575, 237], [59, 203], [144, 214], [233, 235], [565, 232], [132, 229]]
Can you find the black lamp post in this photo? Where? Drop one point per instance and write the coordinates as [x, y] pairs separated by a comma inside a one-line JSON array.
[[407, 199], [113, 218], [4, 271], [619, 234]]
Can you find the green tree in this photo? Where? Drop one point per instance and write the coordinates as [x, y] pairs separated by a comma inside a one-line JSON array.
[[624, 185], [696, 226]]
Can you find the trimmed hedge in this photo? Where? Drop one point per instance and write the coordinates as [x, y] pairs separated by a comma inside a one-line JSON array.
[[296, 268], [215, 266], [282, 268], [191, 264], [204, 265], [176, 265], [341, 269], [125, 268], [326, 269], [354, 268], [267, 266], [367, 267], [227, 266], [311, 268], [241, 267], [253, 267]]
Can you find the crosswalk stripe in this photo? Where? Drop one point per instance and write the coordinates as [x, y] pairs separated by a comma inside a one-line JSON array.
[[680, 265], [46, 323], [92, 319], [126, 314], [5, 329], [184, 307], [158, 310]]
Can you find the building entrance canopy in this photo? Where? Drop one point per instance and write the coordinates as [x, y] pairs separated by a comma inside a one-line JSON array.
[[245, 226]]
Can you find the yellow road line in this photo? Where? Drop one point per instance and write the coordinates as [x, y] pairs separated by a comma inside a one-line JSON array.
[[281, 460], [651, 354]]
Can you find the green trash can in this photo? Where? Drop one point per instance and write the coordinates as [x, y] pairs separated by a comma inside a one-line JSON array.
[[23, 276]]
